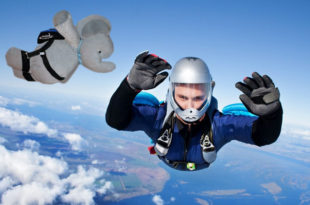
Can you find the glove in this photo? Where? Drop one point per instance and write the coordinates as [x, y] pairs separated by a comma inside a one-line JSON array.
[[145, 74], [260, 97]]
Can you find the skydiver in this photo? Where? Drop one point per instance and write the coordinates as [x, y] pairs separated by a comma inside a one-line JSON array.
[[188, 129]]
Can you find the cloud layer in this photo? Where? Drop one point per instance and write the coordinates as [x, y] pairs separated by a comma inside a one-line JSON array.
[[16, 101], [19, 122], [25, 172]]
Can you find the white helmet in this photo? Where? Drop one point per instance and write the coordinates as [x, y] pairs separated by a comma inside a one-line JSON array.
[[190, 89]]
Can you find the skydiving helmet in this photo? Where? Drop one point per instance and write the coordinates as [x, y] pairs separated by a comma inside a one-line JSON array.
[[190, 89]]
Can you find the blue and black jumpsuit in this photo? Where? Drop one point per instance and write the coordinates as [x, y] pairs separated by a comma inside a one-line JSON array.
[[122, 114]]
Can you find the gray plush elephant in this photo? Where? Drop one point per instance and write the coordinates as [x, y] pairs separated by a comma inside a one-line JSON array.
[[58, 54]]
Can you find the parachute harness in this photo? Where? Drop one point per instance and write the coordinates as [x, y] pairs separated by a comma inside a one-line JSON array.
[[164, 141], [45, 36]]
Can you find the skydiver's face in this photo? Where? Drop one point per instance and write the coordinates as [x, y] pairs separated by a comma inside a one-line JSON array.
[[190, 95]]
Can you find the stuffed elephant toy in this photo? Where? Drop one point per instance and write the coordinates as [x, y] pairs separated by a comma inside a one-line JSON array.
[[60, 51]]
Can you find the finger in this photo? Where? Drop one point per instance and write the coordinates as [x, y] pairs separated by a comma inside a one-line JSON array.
[[158, 57], [160, 78], [158, 62], [268, 82], [150, 58], [164, 66], [140, 58], [248, 103], [250, 82], [258, 79], [243, 88]]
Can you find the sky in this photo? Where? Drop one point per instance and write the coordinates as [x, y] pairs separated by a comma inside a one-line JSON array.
[[234, 38]]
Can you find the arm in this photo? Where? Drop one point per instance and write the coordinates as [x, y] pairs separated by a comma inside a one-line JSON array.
[[266, 130], [121, 113], [119, 110], [262, 98]]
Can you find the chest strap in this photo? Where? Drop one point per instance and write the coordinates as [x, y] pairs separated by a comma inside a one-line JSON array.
[[26, 61]]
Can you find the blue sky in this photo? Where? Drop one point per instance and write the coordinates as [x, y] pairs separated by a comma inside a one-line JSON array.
[[235, 38]]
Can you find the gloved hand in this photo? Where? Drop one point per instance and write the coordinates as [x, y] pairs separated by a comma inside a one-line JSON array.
[[260, 97], [145, 73]]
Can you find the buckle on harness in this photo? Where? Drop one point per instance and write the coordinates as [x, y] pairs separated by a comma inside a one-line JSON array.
[[26, 54], [208, 149], [163, 143]]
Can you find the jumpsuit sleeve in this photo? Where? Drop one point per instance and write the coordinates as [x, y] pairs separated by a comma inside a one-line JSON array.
[[258, 131], [122, 114]]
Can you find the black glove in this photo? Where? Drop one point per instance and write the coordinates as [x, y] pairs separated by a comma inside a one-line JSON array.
[[145, 74], [260, 97]]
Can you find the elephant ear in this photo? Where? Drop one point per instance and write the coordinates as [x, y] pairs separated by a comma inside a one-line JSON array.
[[64, 25], [92, 25]]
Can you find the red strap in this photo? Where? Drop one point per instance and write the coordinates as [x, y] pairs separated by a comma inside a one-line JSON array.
[[151, 150]]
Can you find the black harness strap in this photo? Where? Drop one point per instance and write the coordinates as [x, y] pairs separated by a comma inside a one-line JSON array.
[[26, 66], [50, 69], [26, 61]]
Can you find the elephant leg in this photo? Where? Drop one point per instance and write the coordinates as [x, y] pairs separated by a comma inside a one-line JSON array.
[[14, 58], [18, 73]]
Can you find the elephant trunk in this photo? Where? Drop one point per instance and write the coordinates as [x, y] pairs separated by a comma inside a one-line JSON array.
[[93, 50]]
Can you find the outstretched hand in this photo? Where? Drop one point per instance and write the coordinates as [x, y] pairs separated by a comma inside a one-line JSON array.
[[260, 96], [146, 71]]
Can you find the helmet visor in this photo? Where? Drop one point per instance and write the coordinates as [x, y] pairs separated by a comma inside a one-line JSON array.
[[191, 96]]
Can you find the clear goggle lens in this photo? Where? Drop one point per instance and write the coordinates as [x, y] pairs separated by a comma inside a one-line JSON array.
[[191, 96]]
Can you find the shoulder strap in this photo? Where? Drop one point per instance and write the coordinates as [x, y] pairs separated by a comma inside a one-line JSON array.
[[164, 141]]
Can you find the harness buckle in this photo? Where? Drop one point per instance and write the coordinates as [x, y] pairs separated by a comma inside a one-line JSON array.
[[26, 54], [206, 144], [163, 143], [42, 53], [208, 149]]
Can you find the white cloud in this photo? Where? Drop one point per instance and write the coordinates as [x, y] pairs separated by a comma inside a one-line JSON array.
[[58, 154], [158, 200], [17, 121], [81, 186], [75, 140], [31, 144], [120, 165], [23, 173], [27, 124], [303, 133], [172, 199], [16, 101], [76, 107], [106, 187], [3, 101], [2, 140], [19, 101]]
